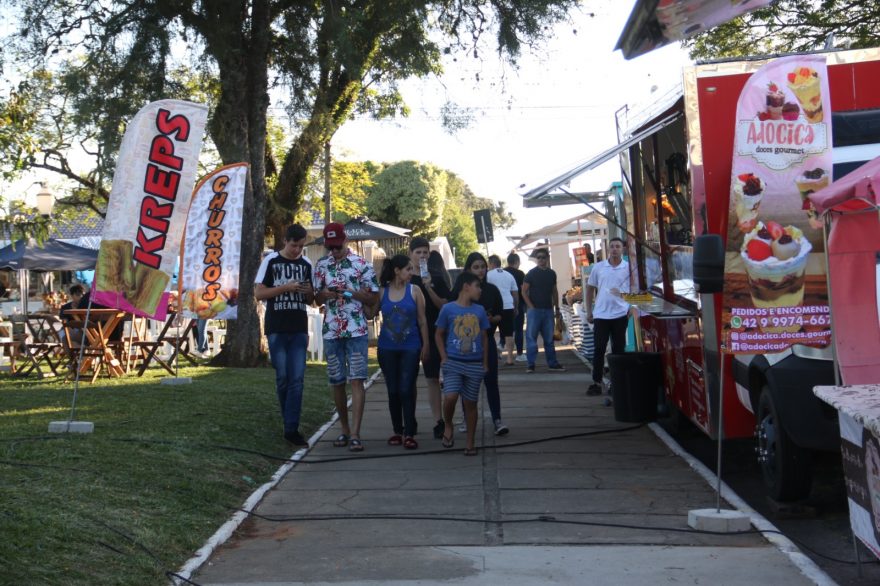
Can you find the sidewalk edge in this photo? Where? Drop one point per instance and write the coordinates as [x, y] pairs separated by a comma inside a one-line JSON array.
[[800, 560], [225, 531]]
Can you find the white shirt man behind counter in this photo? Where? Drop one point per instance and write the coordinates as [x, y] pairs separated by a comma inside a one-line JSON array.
[[608, 281]]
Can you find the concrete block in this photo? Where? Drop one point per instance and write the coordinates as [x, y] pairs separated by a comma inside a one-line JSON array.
[[183, 380], [71, 427], [723, 521]]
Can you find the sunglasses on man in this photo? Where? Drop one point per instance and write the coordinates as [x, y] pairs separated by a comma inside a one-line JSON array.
[[334, 248]]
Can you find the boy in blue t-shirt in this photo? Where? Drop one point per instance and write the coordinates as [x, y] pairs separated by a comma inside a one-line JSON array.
[[464, 357]]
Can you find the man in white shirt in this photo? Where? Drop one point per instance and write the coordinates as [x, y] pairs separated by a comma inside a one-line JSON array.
[[506, 284], [608, 281]]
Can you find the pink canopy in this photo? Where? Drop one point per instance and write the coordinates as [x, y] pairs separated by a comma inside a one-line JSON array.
[[853, 243], [861, 184]]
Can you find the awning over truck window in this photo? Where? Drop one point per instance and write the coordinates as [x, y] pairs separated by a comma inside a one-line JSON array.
[[545, 192], [655, 23]]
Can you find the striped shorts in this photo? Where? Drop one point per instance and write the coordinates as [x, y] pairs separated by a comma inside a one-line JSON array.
[[463, 378]]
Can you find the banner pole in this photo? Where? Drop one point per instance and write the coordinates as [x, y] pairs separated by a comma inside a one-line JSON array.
[[82, 347]]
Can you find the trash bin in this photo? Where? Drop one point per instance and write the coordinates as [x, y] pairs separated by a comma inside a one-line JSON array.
[[636, 385]]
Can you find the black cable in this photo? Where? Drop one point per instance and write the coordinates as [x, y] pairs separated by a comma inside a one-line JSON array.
[[49, 466], [542, 519]]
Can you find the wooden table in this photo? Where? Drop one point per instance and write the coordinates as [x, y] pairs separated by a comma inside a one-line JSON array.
[[97, 354], [175, 333]]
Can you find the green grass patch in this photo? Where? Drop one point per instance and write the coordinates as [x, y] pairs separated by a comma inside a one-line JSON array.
[[78, 509]]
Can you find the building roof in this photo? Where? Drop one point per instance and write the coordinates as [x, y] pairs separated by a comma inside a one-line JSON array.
[[83, 224]]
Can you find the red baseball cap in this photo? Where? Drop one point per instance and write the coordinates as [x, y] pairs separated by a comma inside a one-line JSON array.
[[334, 234]]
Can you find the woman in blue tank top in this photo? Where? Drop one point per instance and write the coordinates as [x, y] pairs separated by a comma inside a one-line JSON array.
[[403, 341]]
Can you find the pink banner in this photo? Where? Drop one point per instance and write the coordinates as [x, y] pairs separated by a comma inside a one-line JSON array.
[[775, 288]]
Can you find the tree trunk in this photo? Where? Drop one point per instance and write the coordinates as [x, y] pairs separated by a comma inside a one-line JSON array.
[[239, 130]]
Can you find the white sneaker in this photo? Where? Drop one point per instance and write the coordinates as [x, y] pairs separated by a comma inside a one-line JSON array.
[[500, 428], [521, 358]]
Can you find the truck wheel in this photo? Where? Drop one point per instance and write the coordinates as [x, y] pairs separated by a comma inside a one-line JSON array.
[[786, 467]]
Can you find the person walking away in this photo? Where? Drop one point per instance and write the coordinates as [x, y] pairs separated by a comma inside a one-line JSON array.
[[519, 316], [284, 281], [506, 284], [345, 283], [542, 300], [463, 339], [608, 281], [435, 291], [403, 340], [490, 299]]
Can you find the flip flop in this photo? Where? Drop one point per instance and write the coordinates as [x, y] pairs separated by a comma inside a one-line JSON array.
[[470, 451], [395, 440], [356, 445], [341, 441], [448, 443]]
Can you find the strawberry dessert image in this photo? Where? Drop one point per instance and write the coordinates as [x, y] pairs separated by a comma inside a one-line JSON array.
[[790, 111], [807, 183], [804, 82], [775, 102], [776, 262], [748, 190]]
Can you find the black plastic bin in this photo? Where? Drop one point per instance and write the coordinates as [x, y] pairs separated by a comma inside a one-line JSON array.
[[636, 385]]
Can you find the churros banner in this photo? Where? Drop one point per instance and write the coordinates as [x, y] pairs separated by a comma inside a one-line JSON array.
[[212, 245], [775, 292], [149, 201]]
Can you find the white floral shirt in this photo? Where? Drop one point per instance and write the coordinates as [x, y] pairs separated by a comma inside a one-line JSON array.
[[345, 318]]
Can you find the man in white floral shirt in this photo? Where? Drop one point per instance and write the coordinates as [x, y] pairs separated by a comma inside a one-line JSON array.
[[345, 283]]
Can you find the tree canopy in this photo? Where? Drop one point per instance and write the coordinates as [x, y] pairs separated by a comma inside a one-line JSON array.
[[792, 26], [327, 61]]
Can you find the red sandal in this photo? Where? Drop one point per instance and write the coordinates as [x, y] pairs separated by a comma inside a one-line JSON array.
[[395, 440], [410, 443]]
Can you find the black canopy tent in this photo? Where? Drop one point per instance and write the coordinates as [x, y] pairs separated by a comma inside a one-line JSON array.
[[51, 255]]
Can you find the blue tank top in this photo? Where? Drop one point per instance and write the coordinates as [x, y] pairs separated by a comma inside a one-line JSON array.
[[400, 323]]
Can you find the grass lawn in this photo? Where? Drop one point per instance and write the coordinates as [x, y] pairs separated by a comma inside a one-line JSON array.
[[84, 509]]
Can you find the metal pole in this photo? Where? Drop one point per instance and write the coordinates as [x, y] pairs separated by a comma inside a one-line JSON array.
[[327, 206], [720, 431], [78, 365]]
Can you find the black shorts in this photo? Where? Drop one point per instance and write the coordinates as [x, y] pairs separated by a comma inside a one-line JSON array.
[[506, 325], [431, 366]]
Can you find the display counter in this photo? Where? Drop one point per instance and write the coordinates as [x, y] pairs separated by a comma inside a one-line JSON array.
[[858, 410]]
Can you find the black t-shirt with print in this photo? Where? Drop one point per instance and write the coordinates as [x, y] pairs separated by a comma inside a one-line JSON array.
[[285, 313], [541, 283]]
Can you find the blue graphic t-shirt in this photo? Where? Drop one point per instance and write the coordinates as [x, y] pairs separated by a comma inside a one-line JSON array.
[[463, 326]]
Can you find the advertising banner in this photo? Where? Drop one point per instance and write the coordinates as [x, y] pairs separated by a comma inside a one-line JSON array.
[[860, 451], [212, 245], [775, 292], [149, 201]]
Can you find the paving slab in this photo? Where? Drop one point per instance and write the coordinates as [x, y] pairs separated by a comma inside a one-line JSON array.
[[597, 509]]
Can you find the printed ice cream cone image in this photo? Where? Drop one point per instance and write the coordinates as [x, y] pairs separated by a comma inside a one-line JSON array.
[[748, 190], [804, 82], [807, 183], [776, 260]]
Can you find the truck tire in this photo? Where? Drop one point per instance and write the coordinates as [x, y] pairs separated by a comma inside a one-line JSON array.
[[785, 466]]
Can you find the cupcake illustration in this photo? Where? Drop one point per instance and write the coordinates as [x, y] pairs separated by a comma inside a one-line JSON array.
[[776, 262], [775, 101]]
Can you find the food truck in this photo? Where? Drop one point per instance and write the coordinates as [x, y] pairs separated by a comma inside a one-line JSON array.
[[736, 150]]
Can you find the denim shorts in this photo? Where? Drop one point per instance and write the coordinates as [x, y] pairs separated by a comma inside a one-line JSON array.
[[346, 359]]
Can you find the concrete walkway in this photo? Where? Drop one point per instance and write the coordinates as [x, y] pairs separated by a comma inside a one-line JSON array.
[[490, 519]]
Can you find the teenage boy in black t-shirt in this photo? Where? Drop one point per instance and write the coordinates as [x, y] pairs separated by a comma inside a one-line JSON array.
[[284, 281]]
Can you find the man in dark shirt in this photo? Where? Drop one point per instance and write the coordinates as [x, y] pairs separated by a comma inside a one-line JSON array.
[[284, 281], [542, 299], [435, 292], [519, 317]]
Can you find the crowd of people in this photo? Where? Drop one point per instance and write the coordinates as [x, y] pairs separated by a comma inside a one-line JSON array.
[[448, 328]]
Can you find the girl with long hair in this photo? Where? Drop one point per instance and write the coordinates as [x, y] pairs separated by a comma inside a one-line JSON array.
[[490, 299], [403, 341]]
